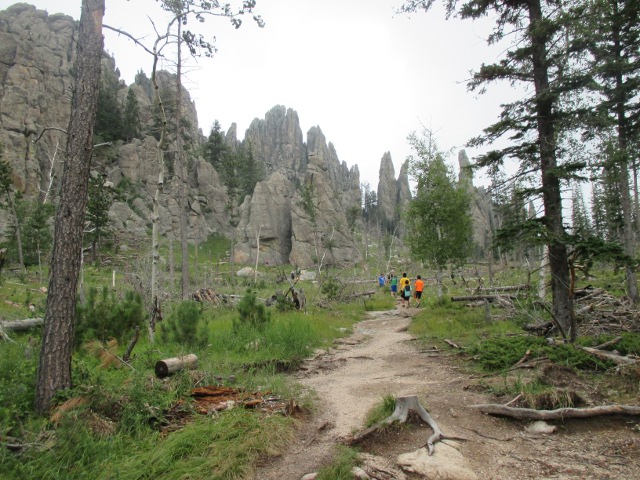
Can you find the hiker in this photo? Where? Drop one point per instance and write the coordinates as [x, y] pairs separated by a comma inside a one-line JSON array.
[[405, 290], [394, 285], [381, 280], [418, 287]]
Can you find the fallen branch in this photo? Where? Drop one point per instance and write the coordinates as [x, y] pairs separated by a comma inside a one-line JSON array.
[[559, 414], [610, 343], [127, 355], [523, 359], [452, 344], [403, 406], [612, 357]]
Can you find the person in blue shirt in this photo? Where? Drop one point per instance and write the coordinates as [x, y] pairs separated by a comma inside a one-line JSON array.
[[381, 280]]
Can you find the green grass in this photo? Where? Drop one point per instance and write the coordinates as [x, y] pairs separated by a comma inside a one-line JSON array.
[[381, 410], [342, 465], [135, 404]]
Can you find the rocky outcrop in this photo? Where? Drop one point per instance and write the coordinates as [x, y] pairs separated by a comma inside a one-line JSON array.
[[36, 65], [288, 233], [481, 205], [277, 141], [36, 55], [387, 190], [265, 218], [321, 236]]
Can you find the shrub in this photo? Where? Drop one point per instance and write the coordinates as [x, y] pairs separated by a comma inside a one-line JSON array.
[[252, 313], [331, 287], [181, 326], [105, 316]]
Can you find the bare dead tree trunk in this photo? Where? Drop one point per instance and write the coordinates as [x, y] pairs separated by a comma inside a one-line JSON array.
[[182, 177]]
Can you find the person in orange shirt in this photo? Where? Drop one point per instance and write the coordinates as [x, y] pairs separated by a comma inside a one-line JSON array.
[[418, 287]]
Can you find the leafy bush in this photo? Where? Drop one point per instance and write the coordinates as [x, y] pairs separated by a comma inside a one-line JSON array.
[[105, 316]]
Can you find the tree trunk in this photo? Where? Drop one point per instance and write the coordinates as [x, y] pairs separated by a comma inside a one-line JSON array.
[[182, 177], [551, 191], [623, 132], [54, 369]]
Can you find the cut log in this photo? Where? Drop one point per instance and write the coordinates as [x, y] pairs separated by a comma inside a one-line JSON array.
[[403, 406], [19, 325], [612, 357], [168, 366], [559, 414]]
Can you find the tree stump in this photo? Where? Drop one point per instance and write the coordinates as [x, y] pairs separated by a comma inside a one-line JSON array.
[[166, 367], [403, 406]]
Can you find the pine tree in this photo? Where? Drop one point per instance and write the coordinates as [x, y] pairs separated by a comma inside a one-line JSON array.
[[536, 57], [132, 125], [613, 38], [98, 221]]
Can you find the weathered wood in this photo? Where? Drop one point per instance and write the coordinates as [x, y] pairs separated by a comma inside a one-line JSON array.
[[127, 355], [452, 344], [491, 298], [612, 357], [559, 414], [403, 406], [168, 366], [508, 288], [19, 325]]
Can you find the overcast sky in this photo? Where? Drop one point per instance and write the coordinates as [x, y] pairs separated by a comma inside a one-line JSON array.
[[366, 76]]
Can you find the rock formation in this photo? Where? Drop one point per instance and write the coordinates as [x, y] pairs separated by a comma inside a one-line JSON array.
[[36, 65], [481, 206]]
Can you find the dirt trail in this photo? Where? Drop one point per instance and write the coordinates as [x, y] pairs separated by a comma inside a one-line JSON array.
[[380, 358]]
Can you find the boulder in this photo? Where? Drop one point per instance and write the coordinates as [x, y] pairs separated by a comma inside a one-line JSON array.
[[446, 463]]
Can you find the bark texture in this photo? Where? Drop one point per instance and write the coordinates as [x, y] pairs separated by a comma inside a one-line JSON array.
[[54, 369]]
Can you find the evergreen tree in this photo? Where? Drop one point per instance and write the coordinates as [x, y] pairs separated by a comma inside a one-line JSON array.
[[7, 194], [252, 171], [98, 205], [580, 223], [214, 148], [108, 125], [132, 125], [613, 38], [537, 57]]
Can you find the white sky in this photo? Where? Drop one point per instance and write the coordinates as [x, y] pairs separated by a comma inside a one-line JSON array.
[[366, 76]]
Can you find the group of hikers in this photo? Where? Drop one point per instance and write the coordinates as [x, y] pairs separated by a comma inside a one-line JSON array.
[[405, 287]]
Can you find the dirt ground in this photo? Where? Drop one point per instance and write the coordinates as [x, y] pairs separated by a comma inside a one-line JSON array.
[[381, 358]]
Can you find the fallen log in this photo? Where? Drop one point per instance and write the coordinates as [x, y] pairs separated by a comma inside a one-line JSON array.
[[508, 288], [558, 414], [166, 367], [491, 298], [612, 357], [19, 325], [403, 406]]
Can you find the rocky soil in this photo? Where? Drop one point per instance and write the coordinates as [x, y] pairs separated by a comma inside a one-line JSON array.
[[381, 358]]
